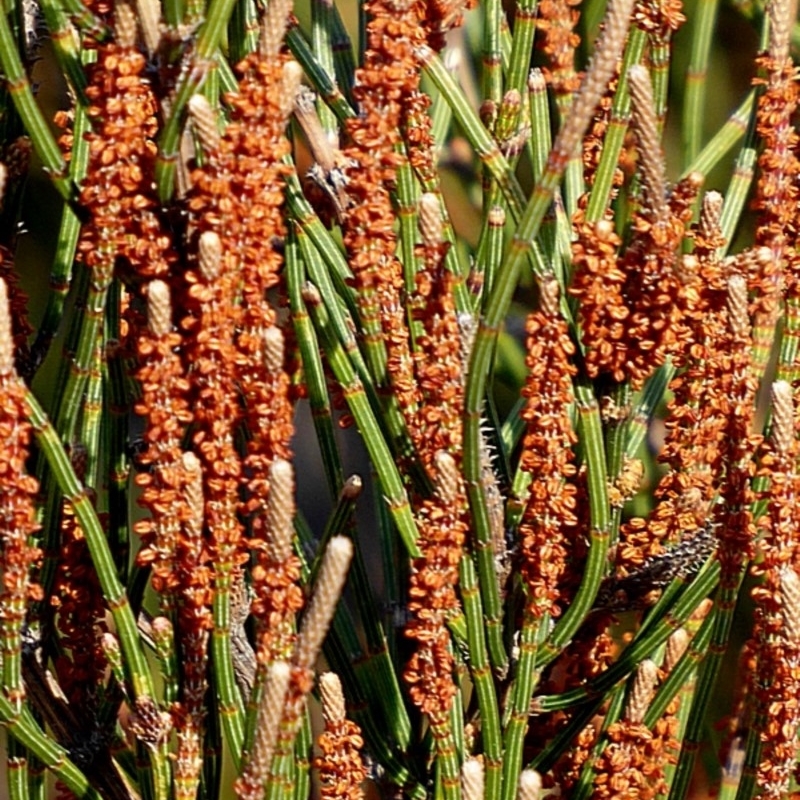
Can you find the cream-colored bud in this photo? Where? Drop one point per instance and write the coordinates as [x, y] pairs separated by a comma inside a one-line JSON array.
[[472, 779], [250, 785], [651, 157], [448, 479], [530, 785], [274, 346], [280, 510], [676, 647], [783, 433], [6, 333], [124, 24], [352, 488], [292, 77], [549, 295], [641, 693], [536, 81], [332, 697], [194, 496], [209, 255], [710, 214], [497, 217], [738, 317], [790, 604], [327, 591], [430, 219], [273, 27], [159, 308], [204, 121]]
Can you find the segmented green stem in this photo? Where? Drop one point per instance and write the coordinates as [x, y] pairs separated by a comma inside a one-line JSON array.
[[317, 74], [485, 147], [25, 731], [92, 417], [380, 455], [694, 99], [698, 656], [243, 30], [647, 640], [725, 139], [591, 437], [302, 749], [21, 93], [205, 57], [229, 699], [137, 670], [312, 368], [527, 670], [617, 128], [480, 672], [522, 45], [492, 58], [117, 443], [65, 48], [322, 35]]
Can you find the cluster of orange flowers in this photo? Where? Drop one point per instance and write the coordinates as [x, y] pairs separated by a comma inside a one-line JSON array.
[[341, 770], [18, 520], [774, 681], [549, 519], [556, 20], [80, 620]]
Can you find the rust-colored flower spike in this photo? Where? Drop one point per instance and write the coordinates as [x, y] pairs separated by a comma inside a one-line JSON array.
[[250, 785], [442, 16], [165, 406], [778, 169], [205, 122], [390, 74], [18, 304], [209, 347], [775, 679], [238, 196], [556, 20], [659, 18], [79, 607], [549, 518], [194, 599], [438, 360], [736, 530], [655, 290], [595, 84], [269, 416], [17, 512], [432, 596], [276, 573], [599, 282], [118, 190], [632, 763], [709, 427], [341, 769]]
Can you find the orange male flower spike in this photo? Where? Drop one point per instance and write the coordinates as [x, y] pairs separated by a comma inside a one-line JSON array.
[[549, 516], [775, 681], [341, 769], [776, 191], [18, 515]]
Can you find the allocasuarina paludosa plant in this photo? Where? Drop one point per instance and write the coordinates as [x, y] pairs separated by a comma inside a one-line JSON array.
[[450, 231]]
